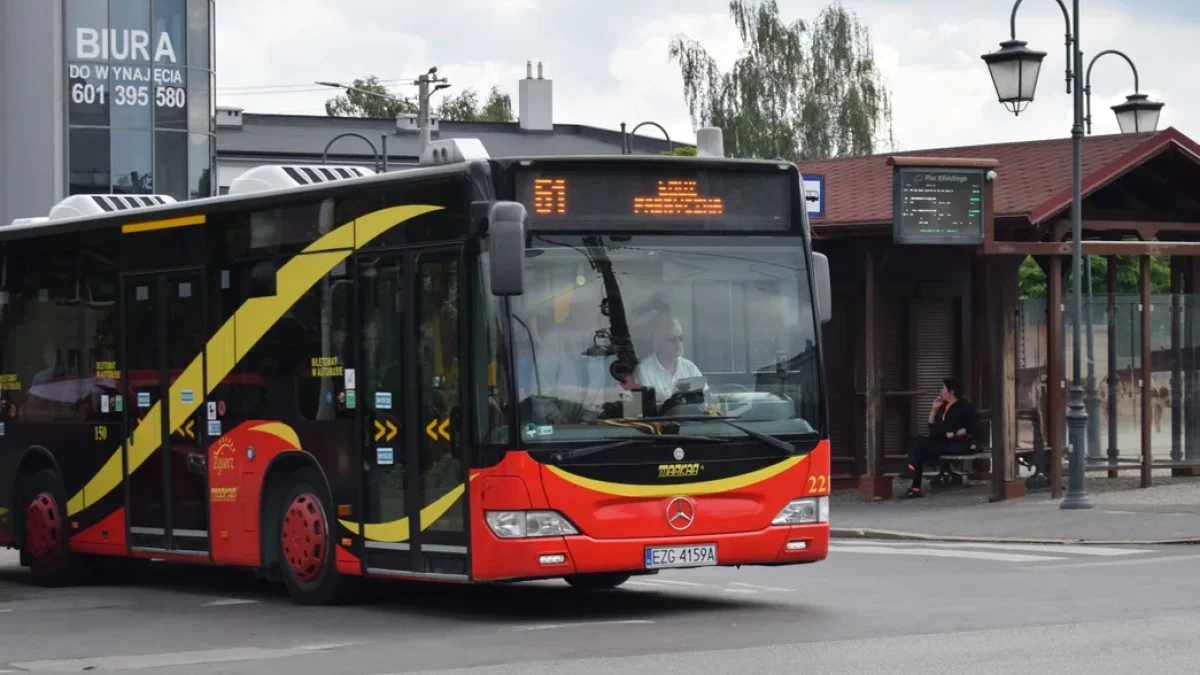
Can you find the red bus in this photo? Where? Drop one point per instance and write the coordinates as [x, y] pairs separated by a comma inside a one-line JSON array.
[[584, 368]]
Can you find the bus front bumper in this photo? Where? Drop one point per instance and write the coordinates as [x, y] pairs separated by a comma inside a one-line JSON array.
[[551, 557]]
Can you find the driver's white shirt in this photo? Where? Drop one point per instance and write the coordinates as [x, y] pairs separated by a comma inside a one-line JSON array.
[[651, 373]]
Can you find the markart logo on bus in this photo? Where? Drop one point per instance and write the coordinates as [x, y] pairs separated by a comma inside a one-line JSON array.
[[124, 80]]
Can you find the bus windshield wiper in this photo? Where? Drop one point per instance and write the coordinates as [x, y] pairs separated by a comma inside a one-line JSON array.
[[576, 453], [766, 439]]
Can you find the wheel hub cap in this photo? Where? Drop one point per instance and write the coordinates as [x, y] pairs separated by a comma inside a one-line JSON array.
[[42, 526], [304, 537]]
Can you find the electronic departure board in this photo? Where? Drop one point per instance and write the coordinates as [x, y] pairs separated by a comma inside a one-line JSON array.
[[648, 199], [938, 206]]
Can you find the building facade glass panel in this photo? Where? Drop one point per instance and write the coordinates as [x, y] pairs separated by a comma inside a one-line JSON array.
[[140, 96], [89, 162]]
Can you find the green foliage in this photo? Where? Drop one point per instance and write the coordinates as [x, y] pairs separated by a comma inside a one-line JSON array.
[[682, 151], [1031, 280], [798, 90], [378, 104], [466, 107]]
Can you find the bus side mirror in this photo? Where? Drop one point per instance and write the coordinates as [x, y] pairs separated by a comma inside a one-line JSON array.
[[506, 248], [824, 291]]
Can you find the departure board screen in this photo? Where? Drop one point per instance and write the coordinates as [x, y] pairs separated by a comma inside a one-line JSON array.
[[701, 199], [938, 206]]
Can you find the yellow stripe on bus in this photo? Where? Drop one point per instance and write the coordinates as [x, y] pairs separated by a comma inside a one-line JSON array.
[[249, 324], [395, 531], [152, 225], [707, 487]]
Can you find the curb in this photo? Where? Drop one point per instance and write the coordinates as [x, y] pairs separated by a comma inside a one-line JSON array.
[[894, 535]]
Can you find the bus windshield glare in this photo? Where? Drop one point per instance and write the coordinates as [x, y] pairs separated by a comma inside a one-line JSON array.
[[715, 326]]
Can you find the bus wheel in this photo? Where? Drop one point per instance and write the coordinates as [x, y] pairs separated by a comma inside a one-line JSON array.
[[45, 539], [306, 553], [597, 582]]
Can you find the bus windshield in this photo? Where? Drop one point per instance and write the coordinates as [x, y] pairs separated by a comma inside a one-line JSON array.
[[715, 326]]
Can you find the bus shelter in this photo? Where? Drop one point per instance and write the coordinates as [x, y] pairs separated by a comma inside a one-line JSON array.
[[982, 294]]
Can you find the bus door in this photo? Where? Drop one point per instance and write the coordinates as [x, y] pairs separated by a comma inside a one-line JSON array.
[[163, 331], [411, 385]]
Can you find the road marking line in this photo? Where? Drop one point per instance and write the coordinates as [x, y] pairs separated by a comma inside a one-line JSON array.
[[167, 660], [229, 601], [943, 553], [672, 582], [1115, 563], [747, 591], [1075, 549], [580, 624], [774, 589], [5, 611]]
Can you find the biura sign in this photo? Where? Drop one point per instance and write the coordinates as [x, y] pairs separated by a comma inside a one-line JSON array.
[[123, 81], [122, 45]]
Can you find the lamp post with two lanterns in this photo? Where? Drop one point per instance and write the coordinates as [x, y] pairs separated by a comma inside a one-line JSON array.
[[1014, 69]]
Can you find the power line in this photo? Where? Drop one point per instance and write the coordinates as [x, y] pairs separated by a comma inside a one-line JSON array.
[[304, 85]]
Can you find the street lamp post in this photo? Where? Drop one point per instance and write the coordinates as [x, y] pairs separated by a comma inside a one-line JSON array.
[[1014, 70]]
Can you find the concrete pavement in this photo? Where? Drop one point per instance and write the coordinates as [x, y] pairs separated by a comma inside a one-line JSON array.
[[1168, 513], [887, 607]]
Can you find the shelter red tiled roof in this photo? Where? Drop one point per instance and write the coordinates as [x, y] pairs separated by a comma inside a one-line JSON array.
[[1033, 179]]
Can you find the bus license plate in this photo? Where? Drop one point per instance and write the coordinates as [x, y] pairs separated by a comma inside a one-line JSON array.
[[699, 555]]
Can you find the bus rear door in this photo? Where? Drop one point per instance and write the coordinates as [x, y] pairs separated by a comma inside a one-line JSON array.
[[163, 332]]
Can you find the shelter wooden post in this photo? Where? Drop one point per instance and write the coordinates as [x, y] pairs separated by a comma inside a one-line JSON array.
[[1147, 370], [1054, 376], [1114, 378], [1189, 390], [873, 484], [1176, 361], [1002, 310]]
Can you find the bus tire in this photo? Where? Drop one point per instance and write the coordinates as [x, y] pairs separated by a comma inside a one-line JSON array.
[[45, 536], [601, 581], [307, 560]]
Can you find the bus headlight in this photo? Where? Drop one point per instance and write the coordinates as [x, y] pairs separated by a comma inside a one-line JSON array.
[[804, 512], [524, 524]]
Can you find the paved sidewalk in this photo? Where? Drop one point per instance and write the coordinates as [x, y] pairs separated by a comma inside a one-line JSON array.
[[1168, 513]]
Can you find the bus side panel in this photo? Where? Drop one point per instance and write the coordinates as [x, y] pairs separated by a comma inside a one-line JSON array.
[[58, 347], [8, 484]]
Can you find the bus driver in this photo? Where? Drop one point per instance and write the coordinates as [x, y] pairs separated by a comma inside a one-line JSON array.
[[666, 366]]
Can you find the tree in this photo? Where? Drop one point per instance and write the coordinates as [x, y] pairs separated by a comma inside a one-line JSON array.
[[680, 151], [1031, 279], [379, 103], [797, 90], [466, 108]]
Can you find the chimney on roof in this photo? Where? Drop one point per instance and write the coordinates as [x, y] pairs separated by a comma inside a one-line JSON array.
[[229, 117], [536, 101]]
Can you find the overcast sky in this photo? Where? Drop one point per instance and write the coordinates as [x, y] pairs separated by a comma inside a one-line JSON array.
[[609, 63]]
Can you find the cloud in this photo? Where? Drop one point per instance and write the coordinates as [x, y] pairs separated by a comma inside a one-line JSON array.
[[610, 65]]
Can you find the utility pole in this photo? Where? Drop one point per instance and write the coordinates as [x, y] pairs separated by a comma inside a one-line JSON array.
[[423, 94]]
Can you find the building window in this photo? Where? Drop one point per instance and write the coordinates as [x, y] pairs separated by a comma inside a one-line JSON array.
[[132, 162], [90, 165]]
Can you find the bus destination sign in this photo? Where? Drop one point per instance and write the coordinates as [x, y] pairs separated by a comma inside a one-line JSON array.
[[938, 206], [702, 199]]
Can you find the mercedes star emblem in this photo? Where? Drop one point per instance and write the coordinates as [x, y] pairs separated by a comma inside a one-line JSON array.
[[681, 513]]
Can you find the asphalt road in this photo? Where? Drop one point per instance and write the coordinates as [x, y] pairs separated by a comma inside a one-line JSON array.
[[879, 607]]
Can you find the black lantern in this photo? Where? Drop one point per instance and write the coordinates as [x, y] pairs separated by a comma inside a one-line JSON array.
[[1137, 114], [1015, 70]]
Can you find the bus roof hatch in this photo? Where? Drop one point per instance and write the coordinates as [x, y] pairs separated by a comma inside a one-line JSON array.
[[281, 176], [80, 206]]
